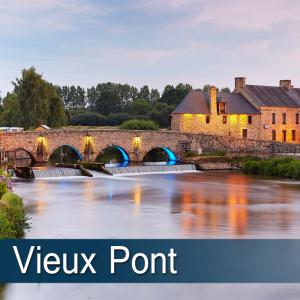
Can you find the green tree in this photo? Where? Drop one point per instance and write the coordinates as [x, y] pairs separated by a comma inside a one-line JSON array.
[[108, 102], [225, 89], [174, 95], [144, 93], [11, 111], [34, 102], [57, 117], [139, 107], [161, 114], [31, 91], [154, 96]]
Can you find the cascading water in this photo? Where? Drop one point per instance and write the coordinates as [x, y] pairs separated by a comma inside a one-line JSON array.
[[154, 169], [56, 172]]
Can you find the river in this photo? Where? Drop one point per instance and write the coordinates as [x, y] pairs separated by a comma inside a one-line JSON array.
[[202, 205]]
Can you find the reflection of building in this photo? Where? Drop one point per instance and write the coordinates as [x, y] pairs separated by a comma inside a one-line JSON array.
[[251, 111]]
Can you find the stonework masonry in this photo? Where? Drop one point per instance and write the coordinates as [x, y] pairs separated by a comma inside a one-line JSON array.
[[100, 139]]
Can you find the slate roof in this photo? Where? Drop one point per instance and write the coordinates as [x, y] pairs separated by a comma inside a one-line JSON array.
[[197, 102], [273, 96]]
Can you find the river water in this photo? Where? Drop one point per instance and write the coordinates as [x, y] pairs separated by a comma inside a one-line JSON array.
[[202, 205]]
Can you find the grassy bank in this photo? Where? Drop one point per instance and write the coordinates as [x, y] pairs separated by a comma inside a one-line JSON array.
[[283, 167], [13, 220]]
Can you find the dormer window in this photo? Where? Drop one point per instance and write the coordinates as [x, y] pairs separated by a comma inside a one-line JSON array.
[[222, 107]]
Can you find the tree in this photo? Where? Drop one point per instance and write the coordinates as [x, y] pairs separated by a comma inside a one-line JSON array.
[[144, 93], [174, 95], [11, 111], [225, 90], [91, 98], [31, 91], [108, 102], [139, 107], [161, 114], [57, 117], [34, 102], [154, 96]]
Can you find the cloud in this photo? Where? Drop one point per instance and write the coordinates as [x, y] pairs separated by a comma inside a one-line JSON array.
[[51, 15]]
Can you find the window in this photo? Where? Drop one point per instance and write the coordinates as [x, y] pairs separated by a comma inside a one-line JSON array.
[[273, 118], [222, 108], [283, 118], [273, 135], [207, 119], [297, 118], [284, 135], [224, 119], [244, 133], [249, 119], [293, 135]]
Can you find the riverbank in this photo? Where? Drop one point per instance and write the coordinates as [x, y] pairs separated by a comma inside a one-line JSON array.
[[281, 167], [13, 220]]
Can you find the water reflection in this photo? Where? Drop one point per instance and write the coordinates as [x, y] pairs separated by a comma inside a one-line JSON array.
[[205, 205], [191, 205]]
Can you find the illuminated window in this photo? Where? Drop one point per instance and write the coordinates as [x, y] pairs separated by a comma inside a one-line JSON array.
[[283, 118], [207, 119], [245, 133], [224, 119], [249, 119], [284, 135], [293, 135], [297, 118], [222, 108], [273, 135], [273, 118]]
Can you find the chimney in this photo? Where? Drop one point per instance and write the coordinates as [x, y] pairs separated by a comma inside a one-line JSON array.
[[240, 82], [286, 84], [213, 100]]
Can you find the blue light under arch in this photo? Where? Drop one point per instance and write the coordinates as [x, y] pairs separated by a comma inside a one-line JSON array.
[[171, 156], [73, 148], [125, 156]]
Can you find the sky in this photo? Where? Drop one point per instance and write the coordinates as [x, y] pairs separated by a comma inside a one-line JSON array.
[[154, 42]]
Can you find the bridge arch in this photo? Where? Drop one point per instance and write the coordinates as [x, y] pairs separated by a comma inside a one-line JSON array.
[[160, 154], [65, 153], [113, 154], [21, 157]]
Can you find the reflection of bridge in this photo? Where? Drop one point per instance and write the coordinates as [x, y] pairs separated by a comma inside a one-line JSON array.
[[136, 144]]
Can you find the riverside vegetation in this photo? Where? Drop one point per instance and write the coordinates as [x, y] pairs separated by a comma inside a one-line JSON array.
[[13, 220], [284, 167]]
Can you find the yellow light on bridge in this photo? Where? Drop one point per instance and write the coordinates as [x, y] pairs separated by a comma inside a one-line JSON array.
[[41, 140], [137, 143]]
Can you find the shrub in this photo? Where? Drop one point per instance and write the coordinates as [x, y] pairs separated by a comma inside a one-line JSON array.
[[88, 119], [12, 218], [284, 167], [137, 124]]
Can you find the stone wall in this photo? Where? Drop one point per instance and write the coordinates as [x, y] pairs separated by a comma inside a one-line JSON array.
[[100, 139]]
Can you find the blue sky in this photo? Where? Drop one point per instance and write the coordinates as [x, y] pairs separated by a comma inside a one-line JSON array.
[[153, 42]]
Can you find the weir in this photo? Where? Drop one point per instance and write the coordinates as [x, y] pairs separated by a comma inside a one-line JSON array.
[[152, 169], [56, 172]]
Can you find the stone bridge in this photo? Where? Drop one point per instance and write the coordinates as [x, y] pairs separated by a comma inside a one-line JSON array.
[[89, 143]]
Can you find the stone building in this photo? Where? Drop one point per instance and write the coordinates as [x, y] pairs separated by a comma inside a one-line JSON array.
[[250, 111]]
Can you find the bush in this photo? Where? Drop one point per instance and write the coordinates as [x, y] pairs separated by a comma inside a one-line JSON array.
[[137, 124], [88, 119], [13, 214], [284, 167], [13, 220]]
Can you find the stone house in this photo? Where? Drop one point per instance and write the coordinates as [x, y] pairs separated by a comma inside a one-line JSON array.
[[250, 111]]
